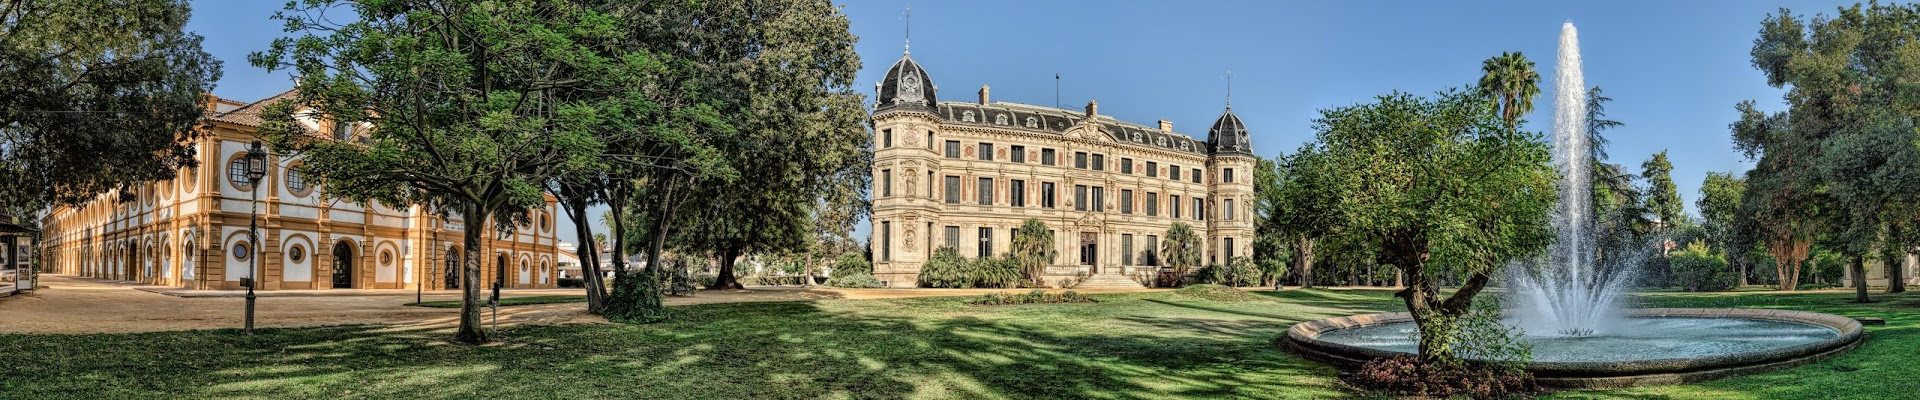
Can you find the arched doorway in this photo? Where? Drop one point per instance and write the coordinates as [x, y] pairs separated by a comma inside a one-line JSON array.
[[342, 265], [452, 274], [133, 261], [500, 271]]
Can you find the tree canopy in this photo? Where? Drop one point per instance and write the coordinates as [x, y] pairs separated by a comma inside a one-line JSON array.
[[97, 96], [1841, 160], [1442, 188], [469, 107]]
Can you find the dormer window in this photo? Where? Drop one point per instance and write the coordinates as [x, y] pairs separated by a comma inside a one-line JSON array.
[[1000, 119], [967, 116], [1033, 123]]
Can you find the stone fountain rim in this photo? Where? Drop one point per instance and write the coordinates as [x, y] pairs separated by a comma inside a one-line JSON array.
[[1303, 338]]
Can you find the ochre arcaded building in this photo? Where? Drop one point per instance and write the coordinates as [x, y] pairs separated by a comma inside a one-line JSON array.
[[967, 174], [191, 232]]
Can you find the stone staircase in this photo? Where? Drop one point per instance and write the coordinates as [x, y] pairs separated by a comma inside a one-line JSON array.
[[1108, 281]]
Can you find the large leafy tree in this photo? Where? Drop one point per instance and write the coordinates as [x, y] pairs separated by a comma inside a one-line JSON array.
[[1442, 188], [1512, 83], [1839, 161], [780, 74], [1300, 207], [473, 105], [1180, 249], [96, 96], [1033, 249]]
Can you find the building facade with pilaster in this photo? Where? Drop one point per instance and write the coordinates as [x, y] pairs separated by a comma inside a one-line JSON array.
[[191, 232], [966, 174]]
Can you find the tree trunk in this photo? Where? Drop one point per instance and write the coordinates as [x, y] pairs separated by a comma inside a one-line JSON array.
[[1305, 262], [589, 259], [1742, 268], [617, 204], [477, 218], [1860, 280], [725, 279], [1896, 273]]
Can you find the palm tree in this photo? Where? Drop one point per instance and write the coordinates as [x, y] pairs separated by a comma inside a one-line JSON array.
[[1033, 249], [1181, 249], [1513, 83]]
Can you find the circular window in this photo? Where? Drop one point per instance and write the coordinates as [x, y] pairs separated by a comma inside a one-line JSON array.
[[297, 253], [296, 182], [241, 252], [545, 223], [193, 176], [187, 252], [386, 257], [237, 172]]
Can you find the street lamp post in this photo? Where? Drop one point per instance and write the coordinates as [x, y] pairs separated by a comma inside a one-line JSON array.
[[256, 169]]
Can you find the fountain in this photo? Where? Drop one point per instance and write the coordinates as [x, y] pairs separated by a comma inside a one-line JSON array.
[[1568, 294], [1567, 306]]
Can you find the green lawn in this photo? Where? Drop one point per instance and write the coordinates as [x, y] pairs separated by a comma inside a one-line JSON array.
[[510, 301], [1131, 346]]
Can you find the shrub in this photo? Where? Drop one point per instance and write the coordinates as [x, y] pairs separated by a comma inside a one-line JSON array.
[[1697, 269], [1032, 297], [851, 263], [1212, 292], [948, 270], [858, 281], [572, 282], [636, 299], [1076, 280], [1405, 375]]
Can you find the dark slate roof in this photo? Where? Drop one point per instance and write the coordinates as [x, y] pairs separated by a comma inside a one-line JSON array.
[[1055, 121], [906, 85], [1228, 135]]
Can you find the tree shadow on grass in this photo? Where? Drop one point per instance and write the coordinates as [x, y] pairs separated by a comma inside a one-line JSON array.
[[731, 351]]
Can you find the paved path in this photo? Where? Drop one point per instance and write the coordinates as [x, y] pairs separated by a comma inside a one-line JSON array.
[[69, 304]]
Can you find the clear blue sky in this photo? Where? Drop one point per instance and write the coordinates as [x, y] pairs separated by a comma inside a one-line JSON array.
[[1674, 68]]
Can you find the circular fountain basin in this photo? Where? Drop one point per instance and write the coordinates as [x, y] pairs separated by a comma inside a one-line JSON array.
[[1653, 346]]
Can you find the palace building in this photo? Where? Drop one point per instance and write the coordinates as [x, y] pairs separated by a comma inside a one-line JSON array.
[[966, 175], [191, 232]]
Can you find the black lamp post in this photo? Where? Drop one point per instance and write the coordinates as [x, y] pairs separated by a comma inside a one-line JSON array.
[[256, 169]]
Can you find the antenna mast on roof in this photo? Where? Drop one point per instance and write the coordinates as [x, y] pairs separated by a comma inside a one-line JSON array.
[[1056, 90], [1229, 89]]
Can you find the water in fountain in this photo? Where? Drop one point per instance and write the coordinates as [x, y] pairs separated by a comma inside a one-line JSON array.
[[1567, 293]]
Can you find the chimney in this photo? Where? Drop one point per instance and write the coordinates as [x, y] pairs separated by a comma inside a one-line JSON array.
[[983, 94], [1093, 108], [1166, 126]]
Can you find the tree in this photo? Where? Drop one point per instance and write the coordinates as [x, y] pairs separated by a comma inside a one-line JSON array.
[[1719, 206], [1300, 208], [1663, 198], [1033, 250], [780, 74], [1270, 242], [97, 96], [1442, 189], [1180, 249], [471, 117], [1839, 161], [1512, 84]]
